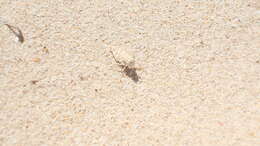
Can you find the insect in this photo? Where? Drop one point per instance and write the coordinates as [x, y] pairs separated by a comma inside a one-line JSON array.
[[34, 82], [128, 69], [17, 32]]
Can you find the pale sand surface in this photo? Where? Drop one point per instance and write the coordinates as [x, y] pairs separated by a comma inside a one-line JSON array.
[[200, 73]]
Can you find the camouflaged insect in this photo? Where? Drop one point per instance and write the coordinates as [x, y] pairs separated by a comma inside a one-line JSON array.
[[128, 69]]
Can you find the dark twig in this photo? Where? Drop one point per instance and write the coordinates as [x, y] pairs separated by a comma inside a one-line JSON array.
[[17, 32]]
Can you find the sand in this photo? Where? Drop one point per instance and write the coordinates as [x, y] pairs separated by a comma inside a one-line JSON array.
[[198, 63]]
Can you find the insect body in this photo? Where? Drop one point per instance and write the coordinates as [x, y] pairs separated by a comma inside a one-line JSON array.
[[128, 69]]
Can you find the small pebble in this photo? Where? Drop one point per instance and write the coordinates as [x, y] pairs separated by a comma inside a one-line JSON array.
[[37, 60]]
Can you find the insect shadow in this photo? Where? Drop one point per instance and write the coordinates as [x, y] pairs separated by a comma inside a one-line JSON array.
[[128, 69]]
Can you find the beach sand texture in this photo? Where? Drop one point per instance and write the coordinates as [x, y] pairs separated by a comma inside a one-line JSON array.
[[198, 63]]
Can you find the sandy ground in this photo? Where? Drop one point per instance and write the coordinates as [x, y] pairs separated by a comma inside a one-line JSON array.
[[199, 69]]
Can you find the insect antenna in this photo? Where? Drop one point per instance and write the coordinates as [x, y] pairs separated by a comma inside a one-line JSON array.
[[115, 58]]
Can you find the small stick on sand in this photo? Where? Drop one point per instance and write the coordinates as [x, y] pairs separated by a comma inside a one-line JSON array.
[[17, 32]]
